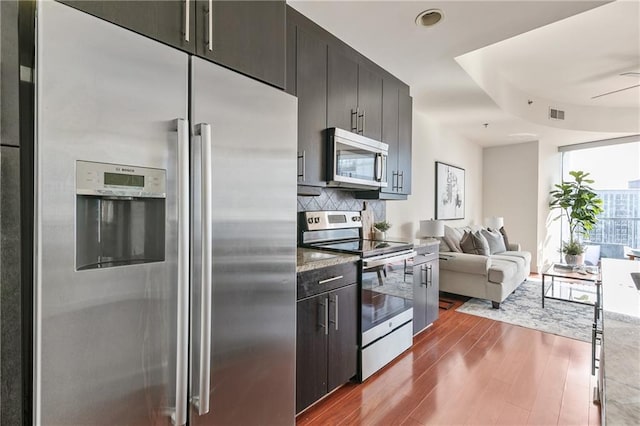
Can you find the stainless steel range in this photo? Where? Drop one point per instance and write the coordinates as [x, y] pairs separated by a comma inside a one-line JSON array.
[[386, 307]]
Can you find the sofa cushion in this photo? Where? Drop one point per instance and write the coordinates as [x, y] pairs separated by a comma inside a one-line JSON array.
[[525, 255], [465, 263], [495, 240], [475, 243], [502, 270], [518, 261]]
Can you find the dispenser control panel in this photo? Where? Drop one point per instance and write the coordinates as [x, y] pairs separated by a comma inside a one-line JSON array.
[[117, 180]]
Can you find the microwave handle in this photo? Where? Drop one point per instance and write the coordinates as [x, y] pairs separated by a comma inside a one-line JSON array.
[[378, 169]]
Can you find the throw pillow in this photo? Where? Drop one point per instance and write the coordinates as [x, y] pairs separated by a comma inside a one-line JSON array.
[[452, 237], [475, 243], [444, 247], [495, 240], [506, 239]]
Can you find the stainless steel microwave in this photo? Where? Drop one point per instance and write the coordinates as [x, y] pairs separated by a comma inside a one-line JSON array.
[[355, 161]]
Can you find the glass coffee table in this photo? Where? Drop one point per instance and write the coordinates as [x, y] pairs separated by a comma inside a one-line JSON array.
[[581, 285]]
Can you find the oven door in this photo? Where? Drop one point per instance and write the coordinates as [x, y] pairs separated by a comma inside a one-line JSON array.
[[357, 161], [387, 294]]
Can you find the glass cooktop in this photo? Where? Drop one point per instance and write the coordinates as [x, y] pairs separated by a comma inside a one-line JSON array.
[[365, 248]]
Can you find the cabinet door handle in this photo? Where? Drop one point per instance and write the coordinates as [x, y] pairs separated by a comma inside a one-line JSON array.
[[209, 26], [335, 322], [423, 273], [187, 28], [361, 116], [354, 114], [326, 315], [400, 182], [394, 181], [328, 280], [430, 275]]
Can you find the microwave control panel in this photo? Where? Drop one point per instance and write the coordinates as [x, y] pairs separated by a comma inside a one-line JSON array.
[[118, 180]]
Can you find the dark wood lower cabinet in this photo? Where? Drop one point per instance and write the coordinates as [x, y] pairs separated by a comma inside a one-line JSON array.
[[311, 351], [343, 336], [327, 343], [425, 290]]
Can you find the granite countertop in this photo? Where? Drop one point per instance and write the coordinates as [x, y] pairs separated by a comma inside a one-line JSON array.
[[621, 342], [309, 259]]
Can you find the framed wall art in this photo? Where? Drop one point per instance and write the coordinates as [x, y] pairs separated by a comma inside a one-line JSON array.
[[449, 191]]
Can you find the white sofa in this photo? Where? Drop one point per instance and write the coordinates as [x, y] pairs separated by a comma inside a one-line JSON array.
[[493, 277]]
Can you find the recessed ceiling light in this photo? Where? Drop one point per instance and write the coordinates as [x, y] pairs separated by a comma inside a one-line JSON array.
[[429, 17]]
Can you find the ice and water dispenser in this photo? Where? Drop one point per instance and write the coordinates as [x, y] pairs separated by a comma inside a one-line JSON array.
[[120, 215]]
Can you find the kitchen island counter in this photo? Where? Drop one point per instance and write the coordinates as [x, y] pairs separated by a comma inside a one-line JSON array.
[[621, 343]]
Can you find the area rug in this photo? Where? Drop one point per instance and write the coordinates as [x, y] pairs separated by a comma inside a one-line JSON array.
[[524, 308]]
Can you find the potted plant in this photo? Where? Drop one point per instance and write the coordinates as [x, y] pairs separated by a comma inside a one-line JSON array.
[[579, 203], [381, 229]]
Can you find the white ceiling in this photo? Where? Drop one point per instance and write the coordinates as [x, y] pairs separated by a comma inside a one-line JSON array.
[[487, 60]]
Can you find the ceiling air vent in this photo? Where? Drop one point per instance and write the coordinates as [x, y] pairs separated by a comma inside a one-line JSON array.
[[556, 114]]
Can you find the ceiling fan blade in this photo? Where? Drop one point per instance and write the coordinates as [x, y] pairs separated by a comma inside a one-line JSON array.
[[615, 91]]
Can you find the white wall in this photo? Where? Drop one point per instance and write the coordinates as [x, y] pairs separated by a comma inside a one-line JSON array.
[[549, 173], [433, 143], [517, 180], [510, 185]]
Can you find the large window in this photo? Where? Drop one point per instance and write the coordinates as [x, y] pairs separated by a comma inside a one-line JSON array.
[[616, 171]]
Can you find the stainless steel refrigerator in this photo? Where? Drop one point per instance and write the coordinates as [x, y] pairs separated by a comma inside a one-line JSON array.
[[165, 234]]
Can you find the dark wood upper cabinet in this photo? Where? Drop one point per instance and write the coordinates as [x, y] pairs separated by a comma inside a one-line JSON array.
[[405, 122], [165, 21], [342, 101], [396, 131], [354, 95], [390, 116], [311, 77], [247, 36], [370, 102]]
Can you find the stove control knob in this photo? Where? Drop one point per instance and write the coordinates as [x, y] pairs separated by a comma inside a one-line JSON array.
[[355, 218], [310, 220], [316, 220]]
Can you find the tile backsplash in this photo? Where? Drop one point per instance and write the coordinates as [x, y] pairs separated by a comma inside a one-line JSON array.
[[339, 199]]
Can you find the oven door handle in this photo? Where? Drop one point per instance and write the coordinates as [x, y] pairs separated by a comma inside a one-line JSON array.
[[384, 260]]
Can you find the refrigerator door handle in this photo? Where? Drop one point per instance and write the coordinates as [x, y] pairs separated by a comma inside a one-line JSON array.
[[179, 416], [206, 282]]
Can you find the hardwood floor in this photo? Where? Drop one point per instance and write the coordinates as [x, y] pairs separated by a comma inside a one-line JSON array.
[[471, 370]]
